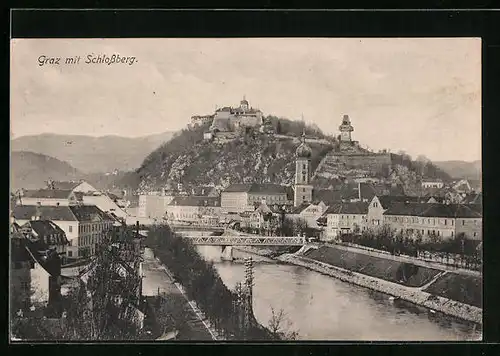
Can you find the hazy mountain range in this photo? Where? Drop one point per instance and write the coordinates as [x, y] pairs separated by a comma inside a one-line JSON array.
[[93, 154], [461, 169]]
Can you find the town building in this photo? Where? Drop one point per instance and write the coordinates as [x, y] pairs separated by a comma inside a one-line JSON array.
[[193, 209], [47, 233], [443, 221], [379, 204], [308, 212], [204, 191], [267, 217], [344, 218], [432, 183], [154, 205], [303, 189], [239, 198], [84, 225], [467, 186], [49, 197], [20, 270], [75, 186]]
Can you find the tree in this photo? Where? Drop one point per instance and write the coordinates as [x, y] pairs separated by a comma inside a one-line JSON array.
[[277, 328], [278, 127]]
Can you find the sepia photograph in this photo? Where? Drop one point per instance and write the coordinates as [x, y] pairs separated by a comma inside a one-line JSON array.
[[245, 189]]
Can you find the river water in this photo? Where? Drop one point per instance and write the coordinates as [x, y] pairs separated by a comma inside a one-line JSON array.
[[319, 307]]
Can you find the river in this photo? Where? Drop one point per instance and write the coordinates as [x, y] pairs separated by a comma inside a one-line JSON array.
[[319, 307]]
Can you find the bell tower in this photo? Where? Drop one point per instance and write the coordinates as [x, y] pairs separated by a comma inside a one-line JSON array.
[[346, 129], [303, 188]]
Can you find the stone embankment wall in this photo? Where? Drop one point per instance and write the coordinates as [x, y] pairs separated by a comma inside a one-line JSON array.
[[414, 295]]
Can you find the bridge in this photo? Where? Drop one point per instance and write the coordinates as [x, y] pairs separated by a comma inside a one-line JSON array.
[[211, 228], [245, 240]]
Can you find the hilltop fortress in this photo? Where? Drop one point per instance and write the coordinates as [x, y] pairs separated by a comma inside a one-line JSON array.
[[346, 160]]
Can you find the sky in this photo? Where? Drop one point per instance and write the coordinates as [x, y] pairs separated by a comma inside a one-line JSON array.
[[418, 95]]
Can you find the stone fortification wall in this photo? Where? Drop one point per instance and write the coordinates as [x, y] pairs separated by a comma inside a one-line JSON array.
[[348, 164]]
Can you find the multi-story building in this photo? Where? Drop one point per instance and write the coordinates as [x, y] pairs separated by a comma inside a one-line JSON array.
[[344, 218], [203, 210], [48, 233], [444, 221], [432, 183], [154, 206], [84, 225], [310, 213], [379, 204], [49, 197], [239, 198]]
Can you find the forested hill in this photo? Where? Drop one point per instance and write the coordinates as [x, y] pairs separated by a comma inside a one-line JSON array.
[[253, 157], [31, 170]]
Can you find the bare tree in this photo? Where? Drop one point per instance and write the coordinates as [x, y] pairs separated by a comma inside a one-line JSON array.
[[278, 328]]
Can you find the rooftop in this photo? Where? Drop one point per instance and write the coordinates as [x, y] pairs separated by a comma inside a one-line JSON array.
[[348, 208], [48, 193], [82, 213], [436, 210], [255, 188]]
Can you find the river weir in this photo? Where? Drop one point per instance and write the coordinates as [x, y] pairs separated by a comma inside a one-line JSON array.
[[320, 307]]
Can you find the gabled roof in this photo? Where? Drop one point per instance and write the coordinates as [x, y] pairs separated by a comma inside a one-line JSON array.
[[387, 200], [89, 213], [54, 213], [435, 210], [475, 198], [48, 193], [195, 201], [348, 208], [65, 185], [267, 188], [300, 208], [256, 188], [44, 227], [238, 188]]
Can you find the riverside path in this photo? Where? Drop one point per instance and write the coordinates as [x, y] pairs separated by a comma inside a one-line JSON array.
[[157, 280]]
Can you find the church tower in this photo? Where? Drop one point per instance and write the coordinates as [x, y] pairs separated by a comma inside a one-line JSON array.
[[346, 129], [303, 188]]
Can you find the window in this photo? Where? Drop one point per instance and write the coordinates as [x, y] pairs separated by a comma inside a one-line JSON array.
[[303, 189], [70, 228], [375, 205], [463, 222], [445, 221], [304, 166], [452, 234]]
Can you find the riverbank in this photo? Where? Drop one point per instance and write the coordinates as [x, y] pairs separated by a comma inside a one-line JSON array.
[[410, 294], [416, 290]]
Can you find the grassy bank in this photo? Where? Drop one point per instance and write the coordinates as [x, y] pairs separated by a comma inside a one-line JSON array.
[[402, 273], [464, 289]]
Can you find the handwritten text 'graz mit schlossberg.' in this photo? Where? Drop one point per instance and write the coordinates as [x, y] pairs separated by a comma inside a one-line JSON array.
[[88, 59]]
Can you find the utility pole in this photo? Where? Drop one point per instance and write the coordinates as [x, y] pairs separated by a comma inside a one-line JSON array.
[[249, 292]]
